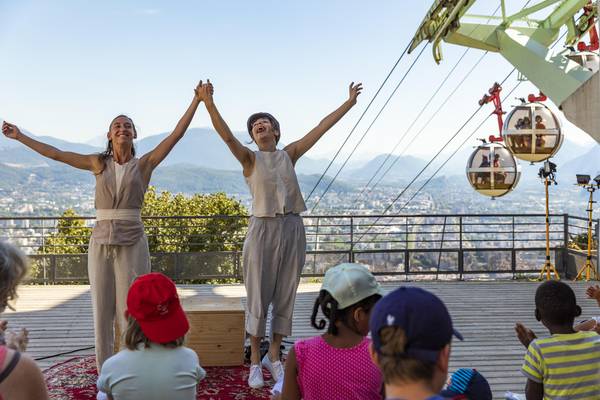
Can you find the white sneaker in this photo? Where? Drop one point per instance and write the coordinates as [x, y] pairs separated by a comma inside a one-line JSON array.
[[255, 378], [275, 368]]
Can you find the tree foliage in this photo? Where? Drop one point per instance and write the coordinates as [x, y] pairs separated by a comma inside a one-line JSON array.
[[71, 236], [188, 237], [203, 222]]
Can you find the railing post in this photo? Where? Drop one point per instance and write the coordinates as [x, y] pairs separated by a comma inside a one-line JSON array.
[[236, 265], [407, 249], [406, 232], [406, 263], [565, 251], [316, 246], [437, 271], [513, 252], [44, 267], [177, 266], [53, 269], [597, 245], [461, 258], [351, 239]]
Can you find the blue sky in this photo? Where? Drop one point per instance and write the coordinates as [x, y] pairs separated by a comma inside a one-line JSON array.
[[68, 67]]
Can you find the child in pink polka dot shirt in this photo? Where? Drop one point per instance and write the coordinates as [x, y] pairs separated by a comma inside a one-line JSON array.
[[337, 364]]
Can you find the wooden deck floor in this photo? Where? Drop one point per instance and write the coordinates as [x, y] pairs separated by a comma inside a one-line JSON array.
[[59, 319]]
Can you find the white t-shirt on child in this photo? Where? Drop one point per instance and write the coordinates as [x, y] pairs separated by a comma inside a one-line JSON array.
[[154, 373]]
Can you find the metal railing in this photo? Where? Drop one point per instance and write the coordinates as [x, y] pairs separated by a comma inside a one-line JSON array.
[[448, 246]]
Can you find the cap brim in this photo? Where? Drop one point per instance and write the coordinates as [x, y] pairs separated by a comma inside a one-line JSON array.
[[166, 329], [457, 334]]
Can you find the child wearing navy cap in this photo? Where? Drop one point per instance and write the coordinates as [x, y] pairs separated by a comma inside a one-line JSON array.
[[412, 330]]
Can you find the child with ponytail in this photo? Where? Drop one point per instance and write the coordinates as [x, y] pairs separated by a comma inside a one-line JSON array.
[[336, 364]]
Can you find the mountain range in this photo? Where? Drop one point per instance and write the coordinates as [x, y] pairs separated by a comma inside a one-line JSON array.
[[202, 163]]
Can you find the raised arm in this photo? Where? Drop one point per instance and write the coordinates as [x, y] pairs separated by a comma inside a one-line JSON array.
[[243, 154], [90, 162], [162, 150], [299, 147]]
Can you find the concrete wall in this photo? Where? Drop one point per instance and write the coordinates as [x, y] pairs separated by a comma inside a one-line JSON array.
[[582, 108]]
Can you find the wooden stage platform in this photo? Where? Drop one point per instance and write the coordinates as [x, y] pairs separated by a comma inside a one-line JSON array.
[[59, 319]]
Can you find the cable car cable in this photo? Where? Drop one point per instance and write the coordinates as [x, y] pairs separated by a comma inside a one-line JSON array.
[[357, 122], [438, 153], [429, 120], [456, 151], [417, 118], [468, 137], [366, 131], [429, 163], [377, 116], [412, 124]]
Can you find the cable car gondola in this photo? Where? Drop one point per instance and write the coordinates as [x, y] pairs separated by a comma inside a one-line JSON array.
[[532, 131], [492, 170]]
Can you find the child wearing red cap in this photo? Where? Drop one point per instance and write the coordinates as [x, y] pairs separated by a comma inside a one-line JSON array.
[[155, 365]]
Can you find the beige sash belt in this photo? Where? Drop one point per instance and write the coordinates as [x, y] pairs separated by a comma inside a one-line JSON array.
[[124, 214]]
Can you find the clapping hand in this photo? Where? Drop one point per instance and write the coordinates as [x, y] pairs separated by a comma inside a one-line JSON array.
[[593, 292], [525, 335], [15, 341]]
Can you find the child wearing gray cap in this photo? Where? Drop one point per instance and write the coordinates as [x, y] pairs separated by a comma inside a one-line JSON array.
[[336, 364]]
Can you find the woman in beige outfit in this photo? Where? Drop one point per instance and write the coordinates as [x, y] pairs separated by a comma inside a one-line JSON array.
[[275, 246], [118, 250]]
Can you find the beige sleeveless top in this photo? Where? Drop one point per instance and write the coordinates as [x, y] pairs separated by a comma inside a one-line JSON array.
[[130, 196], [274, 185]]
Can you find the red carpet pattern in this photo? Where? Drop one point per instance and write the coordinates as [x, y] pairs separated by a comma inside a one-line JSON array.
[[75, 379]]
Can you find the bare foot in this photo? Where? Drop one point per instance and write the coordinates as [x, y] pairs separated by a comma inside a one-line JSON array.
[[593, 292], [525, 335]]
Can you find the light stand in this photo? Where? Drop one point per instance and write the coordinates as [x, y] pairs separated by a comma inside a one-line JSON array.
[[588, 269], [547, 172]]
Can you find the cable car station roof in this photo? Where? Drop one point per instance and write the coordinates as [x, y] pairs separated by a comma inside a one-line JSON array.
[[523, 41]]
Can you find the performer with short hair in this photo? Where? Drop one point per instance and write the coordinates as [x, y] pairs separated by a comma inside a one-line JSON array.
[[275, 246]]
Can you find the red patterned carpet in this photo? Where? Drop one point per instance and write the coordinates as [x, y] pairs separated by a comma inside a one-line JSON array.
[[76, 379]]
